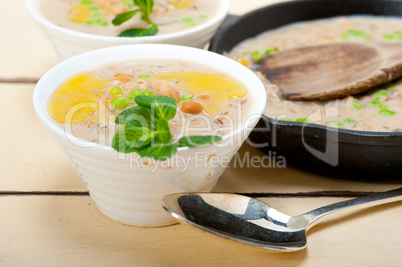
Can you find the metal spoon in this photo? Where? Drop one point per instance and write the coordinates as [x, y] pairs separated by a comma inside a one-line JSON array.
[[253, 222]]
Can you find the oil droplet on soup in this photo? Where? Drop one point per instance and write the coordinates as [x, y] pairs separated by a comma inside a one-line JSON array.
[[182, 4], [219, 86], [79, 14], [77, 97]]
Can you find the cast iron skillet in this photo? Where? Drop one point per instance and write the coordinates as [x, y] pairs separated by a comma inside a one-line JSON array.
[[366, 155]]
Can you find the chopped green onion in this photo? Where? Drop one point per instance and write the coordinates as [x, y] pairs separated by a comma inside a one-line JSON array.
[[387, 112], [357, 106], [120, 102], [86, 2], [381, 93], [398, 35], [355, 33], [270, 50], [348, 120], [93, 21], [383, 106], [93, 8], [375, 102], [388, 36], [203, 17], [192, 24], [344, 37], [147, 92], [144, 76], [115, 90], [186, 20], [135, 92], [303, 120], [131, 98], [104, 23], [257, 56], [186, 97]]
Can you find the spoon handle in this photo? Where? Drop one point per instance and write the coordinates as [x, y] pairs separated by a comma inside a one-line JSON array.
[[358, 203]]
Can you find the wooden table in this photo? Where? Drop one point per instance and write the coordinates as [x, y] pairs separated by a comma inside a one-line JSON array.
[[48, 219]]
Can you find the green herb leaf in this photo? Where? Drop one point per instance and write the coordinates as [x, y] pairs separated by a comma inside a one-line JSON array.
[[163, 106], [158, 150], [129, 139], [164, 131], [136, 137], [146, 7], [198, 140], [146, 129], [139, 32], [138, 117], [123, 17]]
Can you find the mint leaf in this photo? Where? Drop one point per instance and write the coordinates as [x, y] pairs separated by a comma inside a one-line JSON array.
[[137, 116], [137, 137], [123, 17], [164, 107], [198, 140], [146, 129], [164, 131], [146, 7], [129, 139], [139, 32], [158, 150], [120, 144]]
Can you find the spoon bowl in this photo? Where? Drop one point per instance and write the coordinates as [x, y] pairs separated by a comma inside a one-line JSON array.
[[253, 222]]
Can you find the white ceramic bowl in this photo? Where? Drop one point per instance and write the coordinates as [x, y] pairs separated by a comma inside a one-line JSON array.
[[68, 43], [123, 186]]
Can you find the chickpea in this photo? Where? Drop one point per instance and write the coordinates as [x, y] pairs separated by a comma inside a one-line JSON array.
[[123, 77], [166, 88], [204, 97], [192, 107]]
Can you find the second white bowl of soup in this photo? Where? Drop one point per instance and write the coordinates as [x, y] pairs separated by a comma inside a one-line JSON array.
[[77, 26], [141, 121]]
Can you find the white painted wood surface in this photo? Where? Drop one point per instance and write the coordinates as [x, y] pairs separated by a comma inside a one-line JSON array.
[[46, 218]]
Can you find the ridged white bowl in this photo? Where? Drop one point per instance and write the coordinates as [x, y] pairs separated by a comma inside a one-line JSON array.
[[68, 43], [125, 187]]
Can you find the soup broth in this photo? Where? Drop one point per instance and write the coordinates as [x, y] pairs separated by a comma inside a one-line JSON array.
[[95, 16], [208, 102], [377, 110]]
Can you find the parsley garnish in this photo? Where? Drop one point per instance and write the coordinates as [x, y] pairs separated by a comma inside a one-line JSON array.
[[145, 7], [146, 129]]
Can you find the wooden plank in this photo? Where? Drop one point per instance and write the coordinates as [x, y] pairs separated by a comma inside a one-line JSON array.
[[31, 160], [25, 51], [70, 231]]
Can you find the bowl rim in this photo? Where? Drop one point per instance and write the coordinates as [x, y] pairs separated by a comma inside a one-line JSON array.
[[236, 20], [227, 65], [33, 9]]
